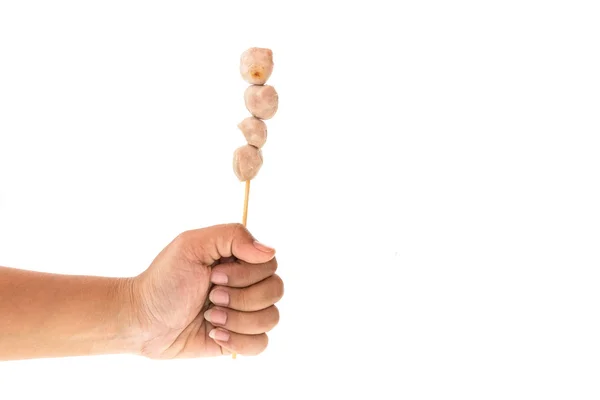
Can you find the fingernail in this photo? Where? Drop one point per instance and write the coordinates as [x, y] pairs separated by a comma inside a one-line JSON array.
[[263, 247], [216, 316], [219, 278], [219, 335], [219, 297]]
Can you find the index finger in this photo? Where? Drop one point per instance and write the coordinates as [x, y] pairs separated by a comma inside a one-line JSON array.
[[242, 274]]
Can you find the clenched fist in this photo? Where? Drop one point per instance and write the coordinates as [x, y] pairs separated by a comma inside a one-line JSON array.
[[210, 292]]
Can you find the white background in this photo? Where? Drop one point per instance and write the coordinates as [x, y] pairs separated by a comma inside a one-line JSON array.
[[431, 184]]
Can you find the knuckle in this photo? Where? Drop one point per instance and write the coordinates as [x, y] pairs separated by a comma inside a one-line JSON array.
[[245, 273], [241, 299], [236, 225], [264, 342], [278, 287], [274, 318], [272, 266], [261, 343], [267, 319], [236, 228], [181, 239], [181, 244]]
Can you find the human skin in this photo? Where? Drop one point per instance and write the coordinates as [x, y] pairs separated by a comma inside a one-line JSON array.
[[210, 292]]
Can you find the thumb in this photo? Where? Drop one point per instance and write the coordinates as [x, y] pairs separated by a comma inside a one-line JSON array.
[[210, 244]]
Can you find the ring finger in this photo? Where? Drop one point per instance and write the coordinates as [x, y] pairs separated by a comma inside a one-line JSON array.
[[247, 323]]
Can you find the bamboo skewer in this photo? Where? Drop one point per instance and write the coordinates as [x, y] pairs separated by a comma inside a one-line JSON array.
[[244, 222], [246, 198]]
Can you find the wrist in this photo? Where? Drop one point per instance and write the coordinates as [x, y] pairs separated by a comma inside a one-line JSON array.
[[126, 333]]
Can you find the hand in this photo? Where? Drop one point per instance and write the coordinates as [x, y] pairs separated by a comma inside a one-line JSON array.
[[210, 292]]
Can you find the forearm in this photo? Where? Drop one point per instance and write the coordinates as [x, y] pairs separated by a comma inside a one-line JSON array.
[[49, 315]]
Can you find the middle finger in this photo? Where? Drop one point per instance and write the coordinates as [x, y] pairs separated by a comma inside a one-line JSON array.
[[253, 298], [247, 323]]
